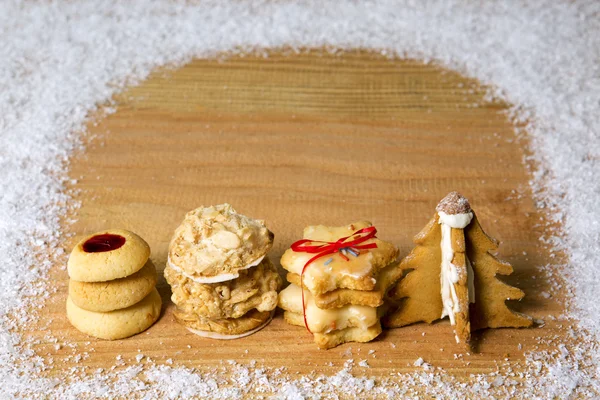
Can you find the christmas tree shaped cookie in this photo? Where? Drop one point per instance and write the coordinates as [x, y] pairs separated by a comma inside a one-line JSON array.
[[452, 273]]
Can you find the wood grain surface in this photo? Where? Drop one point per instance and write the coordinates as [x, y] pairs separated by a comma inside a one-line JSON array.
[[298, 139]]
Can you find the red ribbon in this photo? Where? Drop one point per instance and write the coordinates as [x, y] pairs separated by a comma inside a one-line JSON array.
[[325, 248]]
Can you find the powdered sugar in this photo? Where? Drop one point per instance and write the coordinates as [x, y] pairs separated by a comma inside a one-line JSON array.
[[59, 60]]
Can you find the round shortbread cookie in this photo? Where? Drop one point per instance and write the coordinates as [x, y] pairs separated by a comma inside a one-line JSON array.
[[227, 326], [117, 324], [108, 255], [114, 295]]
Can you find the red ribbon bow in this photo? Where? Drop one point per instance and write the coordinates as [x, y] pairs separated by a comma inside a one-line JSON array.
[[325, 248]]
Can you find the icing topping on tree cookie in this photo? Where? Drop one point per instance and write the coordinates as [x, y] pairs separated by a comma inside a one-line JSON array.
[[454, 203]]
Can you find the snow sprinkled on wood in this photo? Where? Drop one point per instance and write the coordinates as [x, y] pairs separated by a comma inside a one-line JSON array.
[[60, 60]]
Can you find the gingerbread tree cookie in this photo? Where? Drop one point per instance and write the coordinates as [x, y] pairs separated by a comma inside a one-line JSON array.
[[419, 290], [491, 293], [453, 274]]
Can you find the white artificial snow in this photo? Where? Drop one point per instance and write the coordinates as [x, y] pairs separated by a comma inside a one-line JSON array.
[[60, 60]]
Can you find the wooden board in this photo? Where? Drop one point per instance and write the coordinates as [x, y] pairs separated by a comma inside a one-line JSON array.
[[300, 139]]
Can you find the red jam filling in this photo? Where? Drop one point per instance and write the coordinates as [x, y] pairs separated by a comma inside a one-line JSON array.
[[102, 243]]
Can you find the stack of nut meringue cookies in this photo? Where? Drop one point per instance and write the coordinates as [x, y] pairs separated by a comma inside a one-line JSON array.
[[223, 284]]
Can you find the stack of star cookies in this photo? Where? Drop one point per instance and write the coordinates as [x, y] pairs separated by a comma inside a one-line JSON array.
[[223, 284], [112, 292], [344, 273]]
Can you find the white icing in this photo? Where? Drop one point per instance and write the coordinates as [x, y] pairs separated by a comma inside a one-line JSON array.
[[216, 278], [449, 274], [457, 221], [326, 320], [325, 273], [318, 272], [221, 336]]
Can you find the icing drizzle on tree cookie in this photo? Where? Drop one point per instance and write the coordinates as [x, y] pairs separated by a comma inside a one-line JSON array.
[[454, 213]]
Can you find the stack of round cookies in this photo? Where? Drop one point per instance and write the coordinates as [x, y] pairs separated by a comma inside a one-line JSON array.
[[223, 284], [112, 292]]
